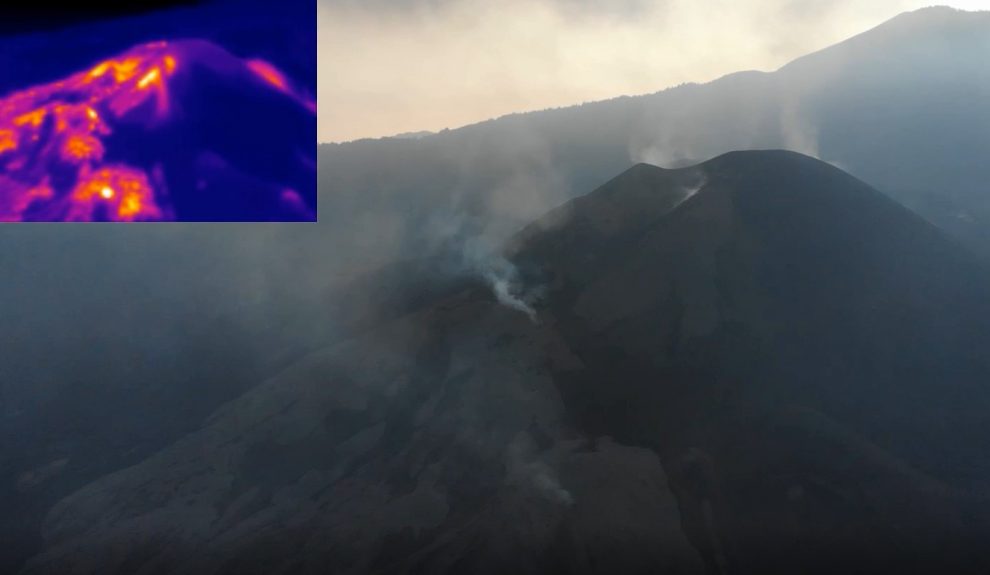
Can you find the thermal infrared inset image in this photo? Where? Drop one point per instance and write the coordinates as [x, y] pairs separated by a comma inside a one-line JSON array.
[[192, 112]]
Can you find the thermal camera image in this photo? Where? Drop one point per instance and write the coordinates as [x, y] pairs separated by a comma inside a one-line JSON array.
[[192, 112]]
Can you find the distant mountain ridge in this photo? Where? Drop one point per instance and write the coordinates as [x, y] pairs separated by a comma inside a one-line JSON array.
[[902, 106]]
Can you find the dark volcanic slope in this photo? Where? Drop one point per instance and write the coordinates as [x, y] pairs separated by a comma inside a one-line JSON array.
[[433, 444], [801, 355]]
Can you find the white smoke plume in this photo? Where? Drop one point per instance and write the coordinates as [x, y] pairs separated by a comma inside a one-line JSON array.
[[480, 259], [525, 468], [665, 149], [502, 276], [686, 192], [797, 132]]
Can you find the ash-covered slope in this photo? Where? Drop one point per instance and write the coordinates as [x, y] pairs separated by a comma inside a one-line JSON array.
[[804, 354], [434, 444], [755, 365]]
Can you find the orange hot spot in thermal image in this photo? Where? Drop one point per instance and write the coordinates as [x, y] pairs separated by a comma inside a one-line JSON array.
[[268, 73], [120, 193], [52, 141]]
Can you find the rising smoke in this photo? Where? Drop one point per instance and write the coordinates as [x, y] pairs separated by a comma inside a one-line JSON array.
[[525, 468], [503, 278]]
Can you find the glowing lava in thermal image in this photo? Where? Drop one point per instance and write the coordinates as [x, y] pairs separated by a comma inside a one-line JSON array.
[[164, 131]]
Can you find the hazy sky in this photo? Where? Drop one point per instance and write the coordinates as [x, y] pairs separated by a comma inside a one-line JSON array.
[[392, 66]]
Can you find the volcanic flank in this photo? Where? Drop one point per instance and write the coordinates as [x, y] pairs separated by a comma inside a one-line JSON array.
[[164, 131], [805, 355], [746, 366]]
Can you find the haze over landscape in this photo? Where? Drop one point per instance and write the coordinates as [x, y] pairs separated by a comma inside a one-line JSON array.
[[731, 327], [391, 67]]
